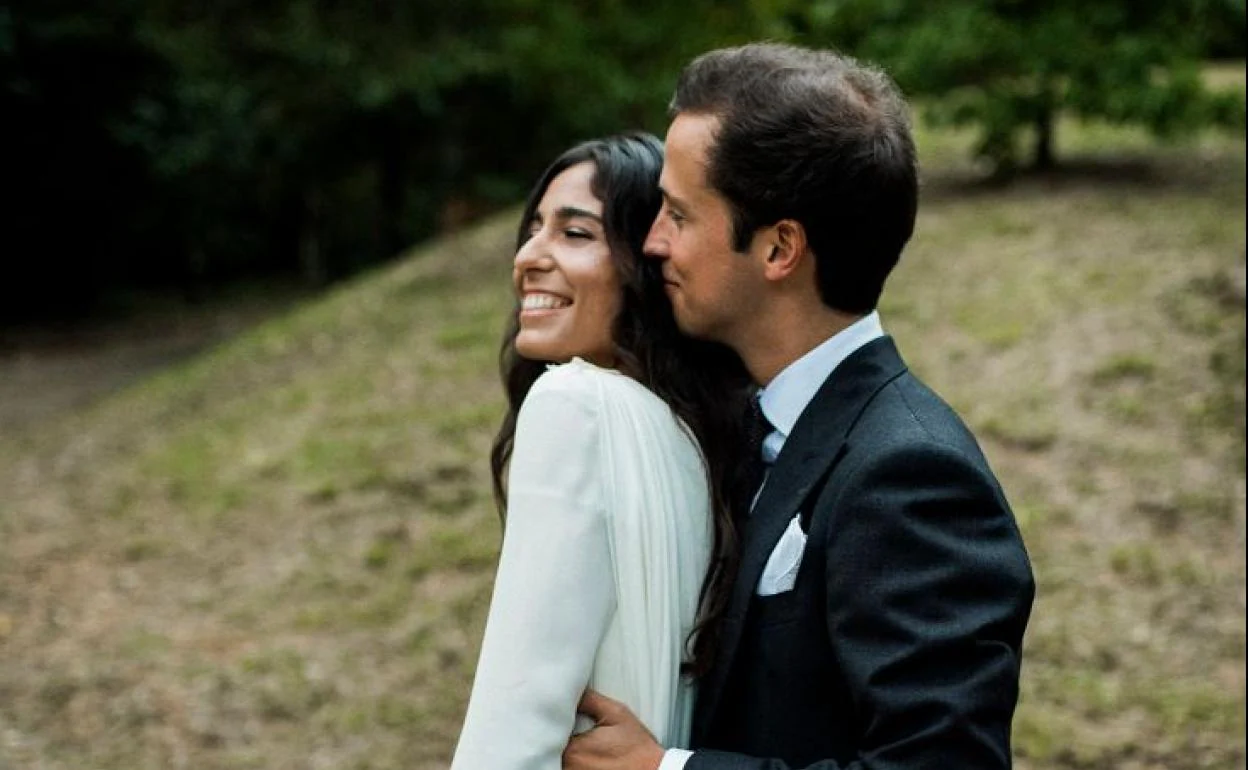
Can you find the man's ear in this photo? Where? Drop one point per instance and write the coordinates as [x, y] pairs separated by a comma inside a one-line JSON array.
[[787, 249]]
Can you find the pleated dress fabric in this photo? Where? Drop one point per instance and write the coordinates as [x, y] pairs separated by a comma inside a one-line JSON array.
[[605, 547]]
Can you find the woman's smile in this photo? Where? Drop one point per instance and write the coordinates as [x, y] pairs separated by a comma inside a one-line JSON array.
[[540, 302]]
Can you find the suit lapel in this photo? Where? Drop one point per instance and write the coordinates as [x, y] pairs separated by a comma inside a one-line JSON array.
[[809, 454]]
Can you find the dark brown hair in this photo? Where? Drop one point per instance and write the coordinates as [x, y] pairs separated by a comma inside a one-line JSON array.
[[816, 137], [704, 383]]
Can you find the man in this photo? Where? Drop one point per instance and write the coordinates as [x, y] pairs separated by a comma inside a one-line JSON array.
[[878, 612]]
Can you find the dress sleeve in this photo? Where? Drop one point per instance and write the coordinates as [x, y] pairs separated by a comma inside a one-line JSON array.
[[553, 593]]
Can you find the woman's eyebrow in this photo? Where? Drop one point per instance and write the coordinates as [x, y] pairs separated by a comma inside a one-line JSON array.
[[572, 212]]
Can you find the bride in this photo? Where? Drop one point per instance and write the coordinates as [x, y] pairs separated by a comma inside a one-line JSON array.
[[617, 455]]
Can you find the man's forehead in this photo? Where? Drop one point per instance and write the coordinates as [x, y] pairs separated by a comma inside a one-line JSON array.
[[689, 139], [692, 134]]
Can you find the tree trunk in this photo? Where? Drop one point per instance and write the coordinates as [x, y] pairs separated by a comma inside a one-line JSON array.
[[312, 265], [196, 267], [1046, 117], [392, 188], [1044, 158]]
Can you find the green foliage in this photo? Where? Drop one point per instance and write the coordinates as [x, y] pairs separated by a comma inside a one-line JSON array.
[[1010, 67], [161, 143], [312, 138]]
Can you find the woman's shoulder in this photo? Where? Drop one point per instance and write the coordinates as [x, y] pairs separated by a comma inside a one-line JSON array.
[[586, 382], [598, 385], [567, 395], [577, 374]]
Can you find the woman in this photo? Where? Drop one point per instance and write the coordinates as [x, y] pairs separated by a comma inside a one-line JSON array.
[[618, 538]]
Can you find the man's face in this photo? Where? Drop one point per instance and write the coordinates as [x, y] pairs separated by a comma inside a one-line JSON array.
[[712, 287]]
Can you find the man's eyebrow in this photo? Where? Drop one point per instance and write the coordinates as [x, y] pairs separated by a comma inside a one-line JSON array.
[[671, 199]]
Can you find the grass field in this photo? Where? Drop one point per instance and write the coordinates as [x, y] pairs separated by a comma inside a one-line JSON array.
[[280, 554]]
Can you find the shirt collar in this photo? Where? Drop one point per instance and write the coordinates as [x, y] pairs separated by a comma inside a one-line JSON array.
[[785, 397]]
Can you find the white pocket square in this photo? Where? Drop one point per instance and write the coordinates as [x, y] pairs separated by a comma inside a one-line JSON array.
[[780, 574]]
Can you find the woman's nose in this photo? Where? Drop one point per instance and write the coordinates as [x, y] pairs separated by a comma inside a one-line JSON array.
[[533, 254]]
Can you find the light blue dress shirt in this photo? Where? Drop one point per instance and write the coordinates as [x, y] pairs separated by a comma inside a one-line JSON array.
[[787, 396]]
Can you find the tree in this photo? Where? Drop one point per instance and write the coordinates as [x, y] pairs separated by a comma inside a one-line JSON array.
[[67, 78], [1011, 67], [400, 114], [166, 143]]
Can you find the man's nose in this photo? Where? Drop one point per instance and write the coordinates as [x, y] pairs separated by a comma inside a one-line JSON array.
[[655, 245]]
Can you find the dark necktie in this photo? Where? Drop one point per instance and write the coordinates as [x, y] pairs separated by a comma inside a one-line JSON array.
[[757, 429]]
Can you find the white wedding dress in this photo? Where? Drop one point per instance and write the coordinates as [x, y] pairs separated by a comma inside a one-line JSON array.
[[606, 543]]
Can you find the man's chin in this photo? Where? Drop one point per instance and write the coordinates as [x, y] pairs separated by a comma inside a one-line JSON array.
[[688, 326]]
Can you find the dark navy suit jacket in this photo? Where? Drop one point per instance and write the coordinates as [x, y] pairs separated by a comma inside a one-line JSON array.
[[899, 646]]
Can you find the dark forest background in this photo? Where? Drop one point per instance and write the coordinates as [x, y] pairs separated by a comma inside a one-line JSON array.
[[183, 148]]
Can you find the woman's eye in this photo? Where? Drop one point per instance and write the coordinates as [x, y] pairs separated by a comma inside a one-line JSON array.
[[574, 233], [675, 216]]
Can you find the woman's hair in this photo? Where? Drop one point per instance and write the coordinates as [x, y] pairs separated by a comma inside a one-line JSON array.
[[704, 383]]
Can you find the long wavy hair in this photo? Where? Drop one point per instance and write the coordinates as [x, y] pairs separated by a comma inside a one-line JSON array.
[[704, 383]]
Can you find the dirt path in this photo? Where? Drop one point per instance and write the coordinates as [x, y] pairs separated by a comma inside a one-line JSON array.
[[49, 370]]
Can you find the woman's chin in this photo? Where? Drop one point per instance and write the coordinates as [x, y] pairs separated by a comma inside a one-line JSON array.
[[548, 351], [536, 351]]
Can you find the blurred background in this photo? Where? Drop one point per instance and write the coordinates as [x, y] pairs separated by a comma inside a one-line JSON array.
[[255, 266]]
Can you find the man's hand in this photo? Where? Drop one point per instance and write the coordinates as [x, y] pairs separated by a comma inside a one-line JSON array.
[[618, 741]]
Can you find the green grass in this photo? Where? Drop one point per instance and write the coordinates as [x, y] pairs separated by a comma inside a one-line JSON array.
[[280, 554]]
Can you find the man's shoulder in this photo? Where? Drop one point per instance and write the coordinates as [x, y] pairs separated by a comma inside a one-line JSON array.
[[907, 415], [908, 437]]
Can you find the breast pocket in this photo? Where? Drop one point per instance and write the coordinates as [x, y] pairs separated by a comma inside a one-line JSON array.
[[779, 596], [783, 564]]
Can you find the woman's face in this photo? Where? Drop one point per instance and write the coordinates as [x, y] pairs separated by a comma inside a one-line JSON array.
[[565, 276]]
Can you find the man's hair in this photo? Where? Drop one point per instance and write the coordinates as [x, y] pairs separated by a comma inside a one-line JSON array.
[[816, 137]]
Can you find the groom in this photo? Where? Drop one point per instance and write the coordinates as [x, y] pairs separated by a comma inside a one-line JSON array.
[[878, 613]]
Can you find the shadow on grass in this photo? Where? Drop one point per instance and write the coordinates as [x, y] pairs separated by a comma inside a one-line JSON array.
[[1187, 173]]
